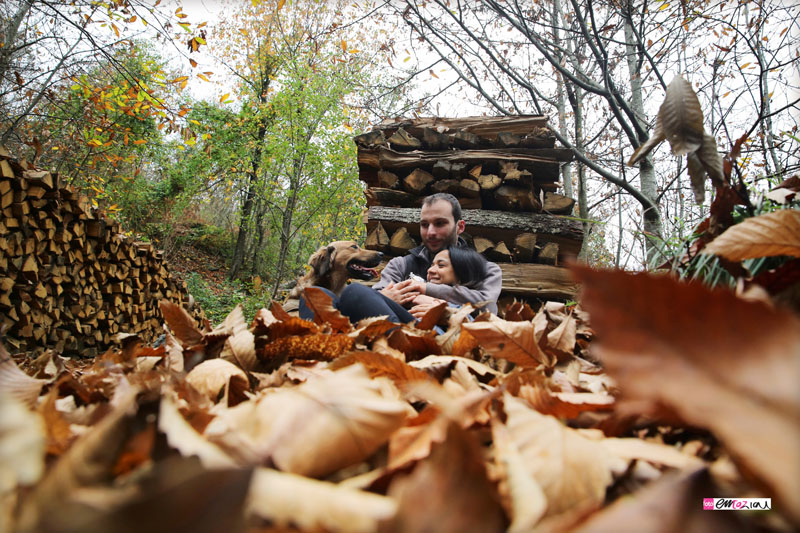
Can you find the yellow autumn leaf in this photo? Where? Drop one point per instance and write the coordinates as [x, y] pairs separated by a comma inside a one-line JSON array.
[[203, 77], [140, 141], [224, 97], [180, 79]]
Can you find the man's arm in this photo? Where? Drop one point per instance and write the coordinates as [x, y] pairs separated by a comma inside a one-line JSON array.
[[393, 272], [487, 290]]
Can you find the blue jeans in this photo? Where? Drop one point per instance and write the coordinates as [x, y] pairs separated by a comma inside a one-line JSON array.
[[358, 301]]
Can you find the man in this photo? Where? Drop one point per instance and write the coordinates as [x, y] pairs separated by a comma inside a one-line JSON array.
[[440, 226]]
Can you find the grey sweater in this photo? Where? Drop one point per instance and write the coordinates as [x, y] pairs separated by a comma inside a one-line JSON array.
[[486, 291]]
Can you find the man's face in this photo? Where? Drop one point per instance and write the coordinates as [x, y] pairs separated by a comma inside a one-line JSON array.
[[437, 227]]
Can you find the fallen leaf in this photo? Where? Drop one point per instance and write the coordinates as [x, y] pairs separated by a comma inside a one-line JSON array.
[[22, 444], [183, 437], [214, 376], [181, 323], [671, 504], [432, 317], [88, 461], [16, 383], [513, 341], [525, 498], [572, 470], [771, 234], [449, 491], [562, 339], [378, 364], [329, 422], [240, 349], [291, 500], [722, 363], [324, 311]]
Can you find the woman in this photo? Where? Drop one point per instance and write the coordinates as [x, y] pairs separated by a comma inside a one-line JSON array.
[[451, 266]]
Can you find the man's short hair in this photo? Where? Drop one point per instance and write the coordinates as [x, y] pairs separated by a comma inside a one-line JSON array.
[[447, 197]]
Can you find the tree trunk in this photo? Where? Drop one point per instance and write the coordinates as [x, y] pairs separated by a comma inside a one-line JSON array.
[[647, 174], [566, 168]]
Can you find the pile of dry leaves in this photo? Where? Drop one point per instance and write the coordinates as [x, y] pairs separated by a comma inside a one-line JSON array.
[[288, 424]]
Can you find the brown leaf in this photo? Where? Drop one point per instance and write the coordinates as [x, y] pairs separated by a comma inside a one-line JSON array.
[[89, 461], [697, 177], [22, 445], [683, 346], [378, 364], [174, 352], [240, 349], [432, 317], [16, 383], [771, 234], [178, 494], [449, 491], [181, 323], [710, 159], [562, 339], [292, 326], [681, 117], [292, 500], [572, 470], [513, 341], [324, 311], [671, 504], [215, 376], [655, 139], [183, 437], [414, 343], [329, 422], [522, 494]]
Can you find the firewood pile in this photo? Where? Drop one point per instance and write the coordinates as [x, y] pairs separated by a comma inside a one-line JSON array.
[[69, 278], [503, 170]]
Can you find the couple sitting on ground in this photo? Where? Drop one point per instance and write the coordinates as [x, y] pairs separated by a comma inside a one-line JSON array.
[[455, 273]]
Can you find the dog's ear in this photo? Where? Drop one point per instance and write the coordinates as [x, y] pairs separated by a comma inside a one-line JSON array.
[[322, 260]]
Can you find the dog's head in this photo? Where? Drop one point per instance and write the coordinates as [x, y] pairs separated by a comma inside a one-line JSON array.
[[341, 260]]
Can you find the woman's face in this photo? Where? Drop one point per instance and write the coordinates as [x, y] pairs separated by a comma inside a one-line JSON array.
[[441, 271]]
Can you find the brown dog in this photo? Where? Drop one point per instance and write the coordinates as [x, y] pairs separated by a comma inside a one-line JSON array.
[[332, 265]]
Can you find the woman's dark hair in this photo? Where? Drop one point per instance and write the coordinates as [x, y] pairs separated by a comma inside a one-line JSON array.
[[468, 265]]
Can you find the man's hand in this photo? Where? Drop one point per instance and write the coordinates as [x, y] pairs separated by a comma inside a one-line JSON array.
[[423, 304], [403, 292]]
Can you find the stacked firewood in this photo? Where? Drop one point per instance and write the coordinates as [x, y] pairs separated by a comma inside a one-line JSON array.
[[503, 170], [69, 278]]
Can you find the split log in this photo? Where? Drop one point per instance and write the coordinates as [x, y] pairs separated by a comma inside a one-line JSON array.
[[401, 242], [388, 180], [489, 182], [377, 239], [539, 281], [482, 245], [448, 186], [512, 175], [433, 140], [500, 253], [402, 140], [500, 225], [391, 198], [417, 181], [508, 140], [517, 199], [442, 169], [470, 203], [549, 254], [466, 140], [475, 172], [371, 139], [558, 204], [525, 247], [468, 188]]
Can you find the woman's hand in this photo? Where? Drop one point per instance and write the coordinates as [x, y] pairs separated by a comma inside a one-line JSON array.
[[422, 304], [403, 292]]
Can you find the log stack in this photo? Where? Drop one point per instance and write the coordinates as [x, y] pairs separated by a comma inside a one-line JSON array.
[[503, 170], [69, 278]]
